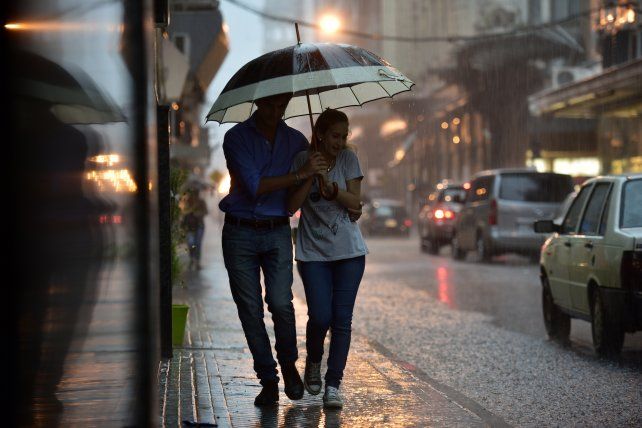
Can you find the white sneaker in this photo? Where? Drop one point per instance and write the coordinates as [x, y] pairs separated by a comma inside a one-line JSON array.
[[332, 398]]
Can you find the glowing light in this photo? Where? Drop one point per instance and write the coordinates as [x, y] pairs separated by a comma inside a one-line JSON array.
[[456, 121], [107, 159], [630, 16], [466, 186], [175, 106], [224, 185], [439, 214], [393, 125], [481, 191], [444, 125], [112, 180], [456, 140], [330, 23], [399, 154]]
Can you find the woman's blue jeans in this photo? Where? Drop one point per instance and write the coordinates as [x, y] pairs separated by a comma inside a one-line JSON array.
[[331, 290]]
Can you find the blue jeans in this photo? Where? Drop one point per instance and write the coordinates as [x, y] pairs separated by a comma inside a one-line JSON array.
[[247, 251], [331, 290], [194, 242]]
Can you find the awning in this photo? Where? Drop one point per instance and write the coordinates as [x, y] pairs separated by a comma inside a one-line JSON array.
[[615, 92], [173, 72]]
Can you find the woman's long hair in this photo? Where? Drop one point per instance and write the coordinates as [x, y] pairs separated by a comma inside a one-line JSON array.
[[325, 120]]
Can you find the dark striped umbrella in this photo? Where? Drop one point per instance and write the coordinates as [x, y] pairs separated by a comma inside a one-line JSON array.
[[332, 75]]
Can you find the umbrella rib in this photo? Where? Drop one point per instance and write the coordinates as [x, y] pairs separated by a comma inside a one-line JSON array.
[[355, 96]]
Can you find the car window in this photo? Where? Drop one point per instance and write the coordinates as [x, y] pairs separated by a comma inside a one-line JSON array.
[[605, 214], [591, 219], [481, 188], [455, 194], [573, 215], [631, 203], [535, 187]]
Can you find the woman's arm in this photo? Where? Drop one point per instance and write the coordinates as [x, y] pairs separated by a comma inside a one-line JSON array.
[[297, 195], [351, 197]]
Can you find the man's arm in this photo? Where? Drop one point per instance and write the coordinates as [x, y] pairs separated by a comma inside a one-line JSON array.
[[240, 163]]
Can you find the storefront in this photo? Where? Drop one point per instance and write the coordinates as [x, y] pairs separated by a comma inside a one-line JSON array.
[[613, 99]]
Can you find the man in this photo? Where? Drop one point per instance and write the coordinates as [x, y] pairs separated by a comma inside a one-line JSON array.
[[256, 237]]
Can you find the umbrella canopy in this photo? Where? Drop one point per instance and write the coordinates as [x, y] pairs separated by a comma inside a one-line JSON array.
[[332, 75]]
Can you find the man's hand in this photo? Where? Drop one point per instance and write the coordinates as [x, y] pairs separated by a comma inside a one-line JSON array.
[[355, 214], [316, 164]]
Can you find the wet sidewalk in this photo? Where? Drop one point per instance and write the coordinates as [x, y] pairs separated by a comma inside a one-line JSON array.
[[210, 380]]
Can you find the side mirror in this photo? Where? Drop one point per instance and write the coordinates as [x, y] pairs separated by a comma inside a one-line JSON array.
[[545, 226]]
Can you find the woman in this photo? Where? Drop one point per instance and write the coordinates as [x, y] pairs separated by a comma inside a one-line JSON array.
[[330, 252]]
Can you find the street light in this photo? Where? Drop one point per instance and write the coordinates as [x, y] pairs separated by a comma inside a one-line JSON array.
[[329, 23]]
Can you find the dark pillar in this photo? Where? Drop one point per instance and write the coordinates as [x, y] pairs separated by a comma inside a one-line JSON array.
[[164, 233]]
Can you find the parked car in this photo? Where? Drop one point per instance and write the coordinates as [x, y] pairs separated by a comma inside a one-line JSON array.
[[500, 208], [437, 217], [385, 217], [591, 266]]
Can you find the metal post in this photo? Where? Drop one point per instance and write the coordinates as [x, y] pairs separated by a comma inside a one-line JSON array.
[[164, 229]]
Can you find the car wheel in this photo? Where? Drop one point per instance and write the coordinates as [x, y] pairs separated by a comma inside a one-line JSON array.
[[483, 252], [608, 335], [557, 323], [457, 252]]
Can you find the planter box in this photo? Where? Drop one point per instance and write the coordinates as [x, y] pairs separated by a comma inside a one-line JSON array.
[[179, 319]]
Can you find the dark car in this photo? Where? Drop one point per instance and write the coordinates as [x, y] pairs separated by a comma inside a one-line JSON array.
[[437, 217], [385, 217]]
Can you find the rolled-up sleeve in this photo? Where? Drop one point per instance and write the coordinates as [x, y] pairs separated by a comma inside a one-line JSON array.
[[240, 163]]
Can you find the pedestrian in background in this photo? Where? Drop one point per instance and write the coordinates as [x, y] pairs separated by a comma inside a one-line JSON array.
[[256, 237], [330, 252], [194, 213]]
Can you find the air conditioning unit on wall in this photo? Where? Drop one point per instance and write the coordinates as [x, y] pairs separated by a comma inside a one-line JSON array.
[[564, 74]]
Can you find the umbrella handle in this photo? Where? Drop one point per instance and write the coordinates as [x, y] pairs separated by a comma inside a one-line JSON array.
[[329, 196]]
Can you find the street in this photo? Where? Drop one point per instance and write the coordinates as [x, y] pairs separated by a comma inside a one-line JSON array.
[[477, 328]]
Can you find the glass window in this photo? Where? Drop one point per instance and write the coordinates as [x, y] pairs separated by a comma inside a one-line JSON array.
[[593, 212], [631, 203], [454, 194], [481, 188], [605, 215], [535, 187], [573, 215]]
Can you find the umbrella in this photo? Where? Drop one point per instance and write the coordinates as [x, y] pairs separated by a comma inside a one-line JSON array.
[[332, 76], [318, 75]]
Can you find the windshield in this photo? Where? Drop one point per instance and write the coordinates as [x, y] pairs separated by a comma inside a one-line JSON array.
[[631, 204], [535, 187], [389, 211], [455, 194]]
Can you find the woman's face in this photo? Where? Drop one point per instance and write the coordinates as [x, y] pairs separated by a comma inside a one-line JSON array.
[[334, 139]]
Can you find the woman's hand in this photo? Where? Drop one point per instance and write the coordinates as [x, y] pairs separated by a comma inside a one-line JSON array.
[[316, 164]]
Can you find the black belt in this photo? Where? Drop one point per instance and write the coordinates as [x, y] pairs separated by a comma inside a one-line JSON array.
[[269, 223]]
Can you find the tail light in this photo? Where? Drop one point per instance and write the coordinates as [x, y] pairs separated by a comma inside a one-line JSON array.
[[407, 222], [492, 215], [443, 214], [631, 271]]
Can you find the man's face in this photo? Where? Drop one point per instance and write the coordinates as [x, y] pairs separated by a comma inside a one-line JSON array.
[[270, 110]]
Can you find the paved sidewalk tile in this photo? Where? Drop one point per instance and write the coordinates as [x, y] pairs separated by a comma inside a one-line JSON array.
[[210, 379]]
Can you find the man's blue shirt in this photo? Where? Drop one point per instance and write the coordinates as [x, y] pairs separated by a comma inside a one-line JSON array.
[[250, 157]]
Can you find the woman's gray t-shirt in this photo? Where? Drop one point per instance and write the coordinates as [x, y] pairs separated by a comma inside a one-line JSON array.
[[325, 231]]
